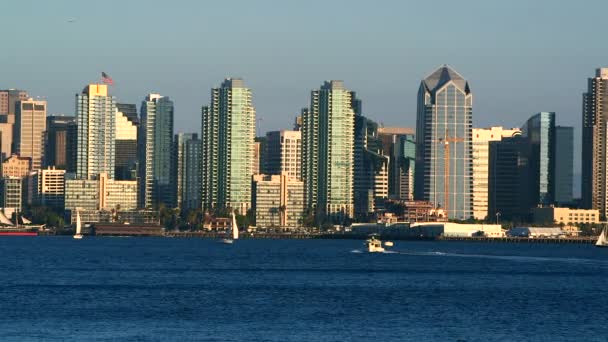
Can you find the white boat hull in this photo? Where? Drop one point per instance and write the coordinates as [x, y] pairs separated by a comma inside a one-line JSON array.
[[227, 241], [77, 236]]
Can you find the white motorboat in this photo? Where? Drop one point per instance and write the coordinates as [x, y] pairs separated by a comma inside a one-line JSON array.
[[235, 231], [78, 234], [373, 245]]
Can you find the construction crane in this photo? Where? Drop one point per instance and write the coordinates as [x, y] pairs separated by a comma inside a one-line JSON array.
[[446, 166]]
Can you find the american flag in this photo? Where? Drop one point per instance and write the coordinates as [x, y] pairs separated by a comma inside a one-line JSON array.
[[106, 79]]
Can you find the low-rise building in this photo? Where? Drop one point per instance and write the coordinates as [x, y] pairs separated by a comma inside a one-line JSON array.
[[555, 215], [278, 201], [49, 187], [536, 232], [11, 193], [16, 166]]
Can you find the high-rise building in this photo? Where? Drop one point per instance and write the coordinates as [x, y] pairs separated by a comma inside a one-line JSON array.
[[400, 145], [96, 127], [155, 149], [370, 168], [29, 130], [127, 124], [444, 173], [6, 140], [49, 187], [187, 171], [283, 153], [61, 136], [481, 161], [540, 131], [228, 133], [8, 101], [278, 201], [595, 144], [328, 140], [564, 164], [509, 180], [259, 155]]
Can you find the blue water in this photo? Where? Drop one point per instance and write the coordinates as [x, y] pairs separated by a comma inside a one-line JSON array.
[[106, 289]]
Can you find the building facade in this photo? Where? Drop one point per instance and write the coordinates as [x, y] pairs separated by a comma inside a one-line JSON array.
[[228, 133], [444, 173], [559, 215], [16, 166], [29, 130], [284, 153], [540, 133], [155, 150], [49, 188], [11, 194], [9, 99], [278, 201], [102, 193], [594, 188], [328, 140], [481, 162], [127, 124], [187, 171], [400, 145], [564, 165], [96, 132], [61, 136]]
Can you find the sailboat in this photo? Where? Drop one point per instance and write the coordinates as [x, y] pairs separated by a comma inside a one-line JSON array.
[[78, 234], [235, 231], [602, 240]]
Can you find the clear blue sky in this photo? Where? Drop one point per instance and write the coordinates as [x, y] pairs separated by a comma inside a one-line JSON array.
[[520, 57]]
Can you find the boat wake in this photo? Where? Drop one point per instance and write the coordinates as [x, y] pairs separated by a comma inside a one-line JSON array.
[[517, 258]]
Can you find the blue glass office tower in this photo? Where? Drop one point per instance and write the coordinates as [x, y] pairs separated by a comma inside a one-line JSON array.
[[444, 167], [540, 133]]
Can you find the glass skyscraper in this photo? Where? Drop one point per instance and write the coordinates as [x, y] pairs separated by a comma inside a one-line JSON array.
[[444, 174], [328, 151], [228, 133], [564, 164], [540, 133], [96, 118], [187, 172], [155, 150]]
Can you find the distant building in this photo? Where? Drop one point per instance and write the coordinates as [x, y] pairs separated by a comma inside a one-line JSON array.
[[481, 161], [49, 188], [60, 150], [595, 144], [284, 153], [16, 166], [101, 193], [564, 164], [400, 145], [11, 194], [540, 133], [278, 201], [6, 140], [370, 168], [328, 137], [29, 130], [96, 127], [187, 170], [9, 99], [566, 216], [444, 173], [155, 152], [259, 155], [127, 124], [228, 133]]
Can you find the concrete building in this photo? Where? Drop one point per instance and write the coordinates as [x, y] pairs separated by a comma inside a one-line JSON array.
[[6, 140], [595, 144], [564, 164], [259, 155], [444, 173], [370, 168], [228, 133], [96, 119], [49, 187], [284, 153], [328, 140], [127, 124], [29, 130], [278, 201], [16, 166], [155, 151], [8, 101], [566, 216], [61, 136], [100, 194], [399, 145], [187, 170], [11, 193], [481, 162]]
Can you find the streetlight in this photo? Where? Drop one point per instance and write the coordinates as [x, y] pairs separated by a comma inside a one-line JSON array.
[[497, 216]]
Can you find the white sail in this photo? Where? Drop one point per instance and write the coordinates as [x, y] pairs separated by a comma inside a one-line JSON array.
[[25, 221], [235, 228], [4, 220], [78, 223], [603, 239]]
